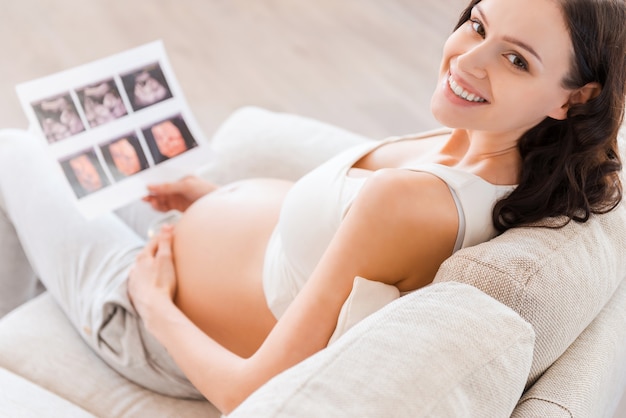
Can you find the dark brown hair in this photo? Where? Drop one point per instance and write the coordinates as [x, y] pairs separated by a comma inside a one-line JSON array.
[[571, 167]]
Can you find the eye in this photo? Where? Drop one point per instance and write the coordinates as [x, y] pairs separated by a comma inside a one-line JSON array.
[[478, 27], [517, 62]]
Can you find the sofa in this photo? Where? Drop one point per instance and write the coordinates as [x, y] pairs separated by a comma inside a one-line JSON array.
[[529, 324]]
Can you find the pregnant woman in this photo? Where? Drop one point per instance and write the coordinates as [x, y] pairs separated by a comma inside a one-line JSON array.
[[252, 278]]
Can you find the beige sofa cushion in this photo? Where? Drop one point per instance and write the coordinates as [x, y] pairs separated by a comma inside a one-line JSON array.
[[21, 398], [447, 350], [38, 343], [556, 279], [593, 365]]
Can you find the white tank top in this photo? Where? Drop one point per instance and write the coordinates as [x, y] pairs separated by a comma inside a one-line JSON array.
[[316, 205]]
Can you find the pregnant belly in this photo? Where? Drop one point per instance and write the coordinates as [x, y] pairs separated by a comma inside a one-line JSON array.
[[219, 247]]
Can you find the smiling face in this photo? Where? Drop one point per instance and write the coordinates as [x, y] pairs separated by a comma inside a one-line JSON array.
[[502, 70]]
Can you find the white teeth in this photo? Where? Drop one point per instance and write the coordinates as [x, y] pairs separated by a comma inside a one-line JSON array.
[[462, 93]]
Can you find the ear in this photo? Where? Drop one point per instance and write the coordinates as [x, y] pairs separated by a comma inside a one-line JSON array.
[[579, 96]]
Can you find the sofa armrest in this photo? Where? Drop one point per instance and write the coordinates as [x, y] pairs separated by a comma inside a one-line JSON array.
[[444, 350]]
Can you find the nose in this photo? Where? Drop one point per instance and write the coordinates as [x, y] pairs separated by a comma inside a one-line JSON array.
[[474, 61]]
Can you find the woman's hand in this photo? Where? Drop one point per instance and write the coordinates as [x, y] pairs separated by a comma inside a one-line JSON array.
[[178, 195], [152, 280]]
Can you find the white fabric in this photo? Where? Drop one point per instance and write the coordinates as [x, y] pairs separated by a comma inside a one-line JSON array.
[[414, 358], [13, 291], [366, 297]]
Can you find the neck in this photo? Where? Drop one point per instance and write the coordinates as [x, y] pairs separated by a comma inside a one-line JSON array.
[[494, 157]]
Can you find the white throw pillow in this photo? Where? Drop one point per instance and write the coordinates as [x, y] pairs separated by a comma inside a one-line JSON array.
[[366, 297]]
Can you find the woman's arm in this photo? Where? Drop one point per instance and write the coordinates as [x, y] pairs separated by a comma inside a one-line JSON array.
[[399, 229]]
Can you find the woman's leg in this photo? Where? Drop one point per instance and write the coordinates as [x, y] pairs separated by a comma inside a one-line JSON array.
[[82, 263], [18, 282]]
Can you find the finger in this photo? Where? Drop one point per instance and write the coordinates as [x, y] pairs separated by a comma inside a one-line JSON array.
[[157, 188], [164, 244], [151, 200], [188, 178], [164, 249], [164, 189], [153, 192], [151, 247], [162, 203], [161, 194], [158, 203]]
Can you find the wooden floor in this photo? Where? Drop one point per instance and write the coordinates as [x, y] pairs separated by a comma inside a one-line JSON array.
[[366, 65]]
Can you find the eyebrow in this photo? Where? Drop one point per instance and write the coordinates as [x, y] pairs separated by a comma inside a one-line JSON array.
[[509, 39]]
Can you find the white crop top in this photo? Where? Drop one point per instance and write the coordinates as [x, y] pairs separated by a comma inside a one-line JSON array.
[[315, 206]]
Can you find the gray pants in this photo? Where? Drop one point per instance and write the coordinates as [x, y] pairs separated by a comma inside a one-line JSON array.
[[83, 263]]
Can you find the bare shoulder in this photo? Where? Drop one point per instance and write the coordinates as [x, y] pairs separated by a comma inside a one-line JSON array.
[[410, 196], [415, 213]]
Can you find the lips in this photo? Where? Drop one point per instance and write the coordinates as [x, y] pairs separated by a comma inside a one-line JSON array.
[[463, 93]]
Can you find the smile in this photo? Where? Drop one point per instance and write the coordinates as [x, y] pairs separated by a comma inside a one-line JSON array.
[[462, 93]]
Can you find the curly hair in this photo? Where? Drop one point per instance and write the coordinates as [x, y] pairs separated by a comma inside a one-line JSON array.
[[571, 167]]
